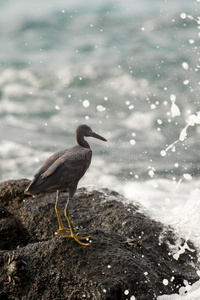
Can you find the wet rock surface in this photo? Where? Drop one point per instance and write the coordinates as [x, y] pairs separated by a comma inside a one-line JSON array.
[[130, 254]]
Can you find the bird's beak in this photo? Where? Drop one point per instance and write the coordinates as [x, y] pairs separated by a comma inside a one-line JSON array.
[[97, 136]]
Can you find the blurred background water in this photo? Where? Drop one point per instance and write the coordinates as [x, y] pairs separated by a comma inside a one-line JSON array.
[[130, 70], [118, 66]]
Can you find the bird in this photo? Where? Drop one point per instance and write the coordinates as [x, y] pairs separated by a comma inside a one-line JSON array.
[[62, 171]]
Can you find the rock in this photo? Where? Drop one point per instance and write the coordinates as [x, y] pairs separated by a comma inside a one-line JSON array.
[[130, 254]]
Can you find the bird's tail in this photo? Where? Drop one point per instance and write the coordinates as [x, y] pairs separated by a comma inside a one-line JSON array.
[[28, 190]]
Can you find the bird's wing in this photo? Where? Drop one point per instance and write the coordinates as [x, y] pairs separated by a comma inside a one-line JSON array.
[[71, 163], [49, 162], [60, 170]]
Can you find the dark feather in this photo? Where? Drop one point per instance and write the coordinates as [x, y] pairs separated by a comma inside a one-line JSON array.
[[61, 170], [64, 169]]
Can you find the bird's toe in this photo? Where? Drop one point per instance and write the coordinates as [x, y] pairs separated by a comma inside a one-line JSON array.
[[77, 238]]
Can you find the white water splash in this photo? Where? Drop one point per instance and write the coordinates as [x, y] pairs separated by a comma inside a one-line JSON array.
[[175, 111], [191, 121]]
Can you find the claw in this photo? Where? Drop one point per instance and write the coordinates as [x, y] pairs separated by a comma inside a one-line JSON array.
[[84, 237]]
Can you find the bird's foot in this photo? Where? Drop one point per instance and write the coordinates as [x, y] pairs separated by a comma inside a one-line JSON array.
[[77, 238], [63, 229]]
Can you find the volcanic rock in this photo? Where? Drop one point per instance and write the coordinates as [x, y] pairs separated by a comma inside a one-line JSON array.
[[131, 256]]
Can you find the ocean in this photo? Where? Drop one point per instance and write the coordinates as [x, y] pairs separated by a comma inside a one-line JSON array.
[[128, 69]]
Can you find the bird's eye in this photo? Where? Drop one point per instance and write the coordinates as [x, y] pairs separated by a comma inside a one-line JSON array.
[[90, 130]]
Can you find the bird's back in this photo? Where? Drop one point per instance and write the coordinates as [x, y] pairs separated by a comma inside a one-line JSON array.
[[61, 170]]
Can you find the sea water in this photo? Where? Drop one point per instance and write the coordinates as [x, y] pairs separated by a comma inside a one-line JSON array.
[[130, 70]]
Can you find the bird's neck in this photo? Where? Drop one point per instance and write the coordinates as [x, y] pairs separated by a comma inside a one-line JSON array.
[[82, 142]]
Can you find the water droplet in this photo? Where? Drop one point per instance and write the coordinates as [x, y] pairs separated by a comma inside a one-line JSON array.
[[159, 121], [183, 15], [153, 106], [100, 108], [163, 153], [183, 134], [187, 176], [151, 173], [185, 65], [165, 281], [86, 103], [173, 97], [126, 292], [132, 142], [185, 82], [175, 111]]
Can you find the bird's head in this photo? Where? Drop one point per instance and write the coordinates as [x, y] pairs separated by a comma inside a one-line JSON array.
[[86, 130]]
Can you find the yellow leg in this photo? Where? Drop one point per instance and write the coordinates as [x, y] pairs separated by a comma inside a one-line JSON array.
[[61, 227], [73, 235]]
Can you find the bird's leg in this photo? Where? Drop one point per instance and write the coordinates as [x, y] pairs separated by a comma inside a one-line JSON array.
[[61, 227], [73, 235]]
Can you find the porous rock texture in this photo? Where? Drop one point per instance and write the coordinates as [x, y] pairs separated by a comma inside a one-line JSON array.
[[131, 255]]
